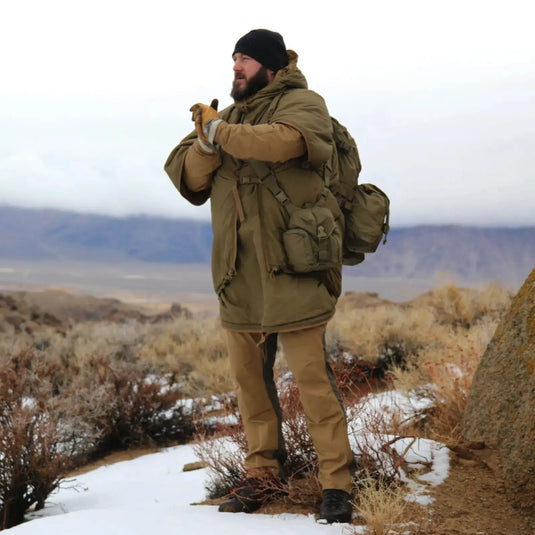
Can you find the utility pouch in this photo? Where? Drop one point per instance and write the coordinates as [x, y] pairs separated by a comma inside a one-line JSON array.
[[312, 241], [366, 222]]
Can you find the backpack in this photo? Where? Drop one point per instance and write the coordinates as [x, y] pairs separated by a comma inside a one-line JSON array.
[[366, 208]]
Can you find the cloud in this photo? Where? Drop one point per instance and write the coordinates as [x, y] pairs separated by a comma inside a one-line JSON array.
[[438, 97]]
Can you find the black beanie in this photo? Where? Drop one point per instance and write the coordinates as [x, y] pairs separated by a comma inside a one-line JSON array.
[[266, 47]]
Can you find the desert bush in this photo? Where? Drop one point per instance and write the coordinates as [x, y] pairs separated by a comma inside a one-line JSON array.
[[76, 352], [385, 335], [129, 399], [225, 456], [129, 405], [444, 375], [196, 349], [465, 307], [51, 421], [193, 350], [381, 504], [40, 436], [394, 333]]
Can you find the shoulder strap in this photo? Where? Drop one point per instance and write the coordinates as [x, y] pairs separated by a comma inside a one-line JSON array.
[[266, 175], [268, 178], [274, 104]]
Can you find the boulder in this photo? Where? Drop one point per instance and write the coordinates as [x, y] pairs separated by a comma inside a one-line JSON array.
[[501, 406]]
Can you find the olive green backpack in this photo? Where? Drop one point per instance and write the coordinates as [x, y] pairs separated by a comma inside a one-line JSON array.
[[366, 208], [310, 240]]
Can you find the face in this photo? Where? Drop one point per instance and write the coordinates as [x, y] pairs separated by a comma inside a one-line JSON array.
[[249, 77]]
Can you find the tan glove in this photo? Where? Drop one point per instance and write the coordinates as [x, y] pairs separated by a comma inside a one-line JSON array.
[[201, 114]]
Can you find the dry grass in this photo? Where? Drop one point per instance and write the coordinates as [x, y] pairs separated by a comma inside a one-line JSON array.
[[385, 331], [381, 505], [194, 348], [403, 330], [444, 374]]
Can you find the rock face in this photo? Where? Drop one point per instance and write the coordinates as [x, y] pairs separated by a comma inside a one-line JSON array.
[[501, 406]]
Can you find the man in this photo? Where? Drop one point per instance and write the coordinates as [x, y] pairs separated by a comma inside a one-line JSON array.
[[277, 120]]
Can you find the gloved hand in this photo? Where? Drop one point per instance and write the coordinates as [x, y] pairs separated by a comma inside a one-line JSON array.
[[201, 115]]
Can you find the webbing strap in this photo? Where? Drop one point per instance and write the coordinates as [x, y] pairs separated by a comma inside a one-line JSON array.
[[244, 180], [268, 178], [239, 207]]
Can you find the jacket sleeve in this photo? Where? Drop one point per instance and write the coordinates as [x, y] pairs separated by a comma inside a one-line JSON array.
[[266, 142], [307, 112], [191, 170]]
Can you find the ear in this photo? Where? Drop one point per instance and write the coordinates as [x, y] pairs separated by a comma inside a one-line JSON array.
[[271, 75]]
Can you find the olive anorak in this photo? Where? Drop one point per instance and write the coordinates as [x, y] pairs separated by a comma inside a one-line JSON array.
[[288, 126]]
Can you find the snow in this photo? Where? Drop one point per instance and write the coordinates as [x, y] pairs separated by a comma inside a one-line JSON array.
[[152, 494]]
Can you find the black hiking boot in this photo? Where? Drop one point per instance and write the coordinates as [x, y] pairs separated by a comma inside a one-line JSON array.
[[248, 497], [336, 506]]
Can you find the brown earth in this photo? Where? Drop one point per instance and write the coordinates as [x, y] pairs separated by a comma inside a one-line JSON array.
[[472, 499]]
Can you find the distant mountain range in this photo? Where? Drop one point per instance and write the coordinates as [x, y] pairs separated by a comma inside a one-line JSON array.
[[470, 254]]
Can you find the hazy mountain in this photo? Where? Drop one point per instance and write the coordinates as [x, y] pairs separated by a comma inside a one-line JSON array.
[[60, 235], [471, 254]]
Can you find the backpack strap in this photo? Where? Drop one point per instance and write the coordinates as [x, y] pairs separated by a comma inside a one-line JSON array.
[[267, 177], [265, 173], [274, 104]]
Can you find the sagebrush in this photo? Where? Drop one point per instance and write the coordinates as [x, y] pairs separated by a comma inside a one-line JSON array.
[[74, 390]]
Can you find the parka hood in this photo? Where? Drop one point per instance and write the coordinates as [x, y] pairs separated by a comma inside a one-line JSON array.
[[288, 77]]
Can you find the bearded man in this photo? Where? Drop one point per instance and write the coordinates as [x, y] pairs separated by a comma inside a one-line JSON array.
[[277, 120]]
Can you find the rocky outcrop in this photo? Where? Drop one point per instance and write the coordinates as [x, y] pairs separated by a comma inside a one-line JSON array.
[[501, 406]]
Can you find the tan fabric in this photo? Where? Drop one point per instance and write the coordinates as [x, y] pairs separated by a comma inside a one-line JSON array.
[[198, 168], [266, 142], [288, 126], [325, 416]]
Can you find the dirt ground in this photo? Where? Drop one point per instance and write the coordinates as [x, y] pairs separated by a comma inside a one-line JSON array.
[[472, 500]]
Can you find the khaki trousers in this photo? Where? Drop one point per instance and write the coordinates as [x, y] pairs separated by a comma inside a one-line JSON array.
[[252, 366]]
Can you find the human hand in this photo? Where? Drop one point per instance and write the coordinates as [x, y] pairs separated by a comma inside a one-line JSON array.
[[202, 114]]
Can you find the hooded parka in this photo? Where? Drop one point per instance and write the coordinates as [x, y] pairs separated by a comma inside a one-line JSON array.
[[256, 290]]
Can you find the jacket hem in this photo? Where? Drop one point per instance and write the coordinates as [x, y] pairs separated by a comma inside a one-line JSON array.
[[283, 327]]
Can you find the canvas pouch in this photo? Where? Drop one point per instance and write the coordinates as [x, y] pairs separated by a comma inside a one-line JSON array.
[[312, 241]]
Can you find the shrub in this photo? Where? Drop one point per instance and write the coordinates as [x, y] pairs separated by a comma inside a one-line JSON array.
[[131, 406], [225, 456], [465, 307], [385, 335], [381, 504], [40, 438], [444, 375], [196, 350]]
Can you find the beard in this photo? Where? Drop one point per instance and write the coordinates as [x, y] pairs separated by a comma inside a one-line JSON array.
[[251, 87]]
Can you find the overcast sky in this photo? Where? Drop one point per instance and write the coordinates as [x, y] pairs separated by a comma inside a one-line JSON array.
[[438, 95]]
